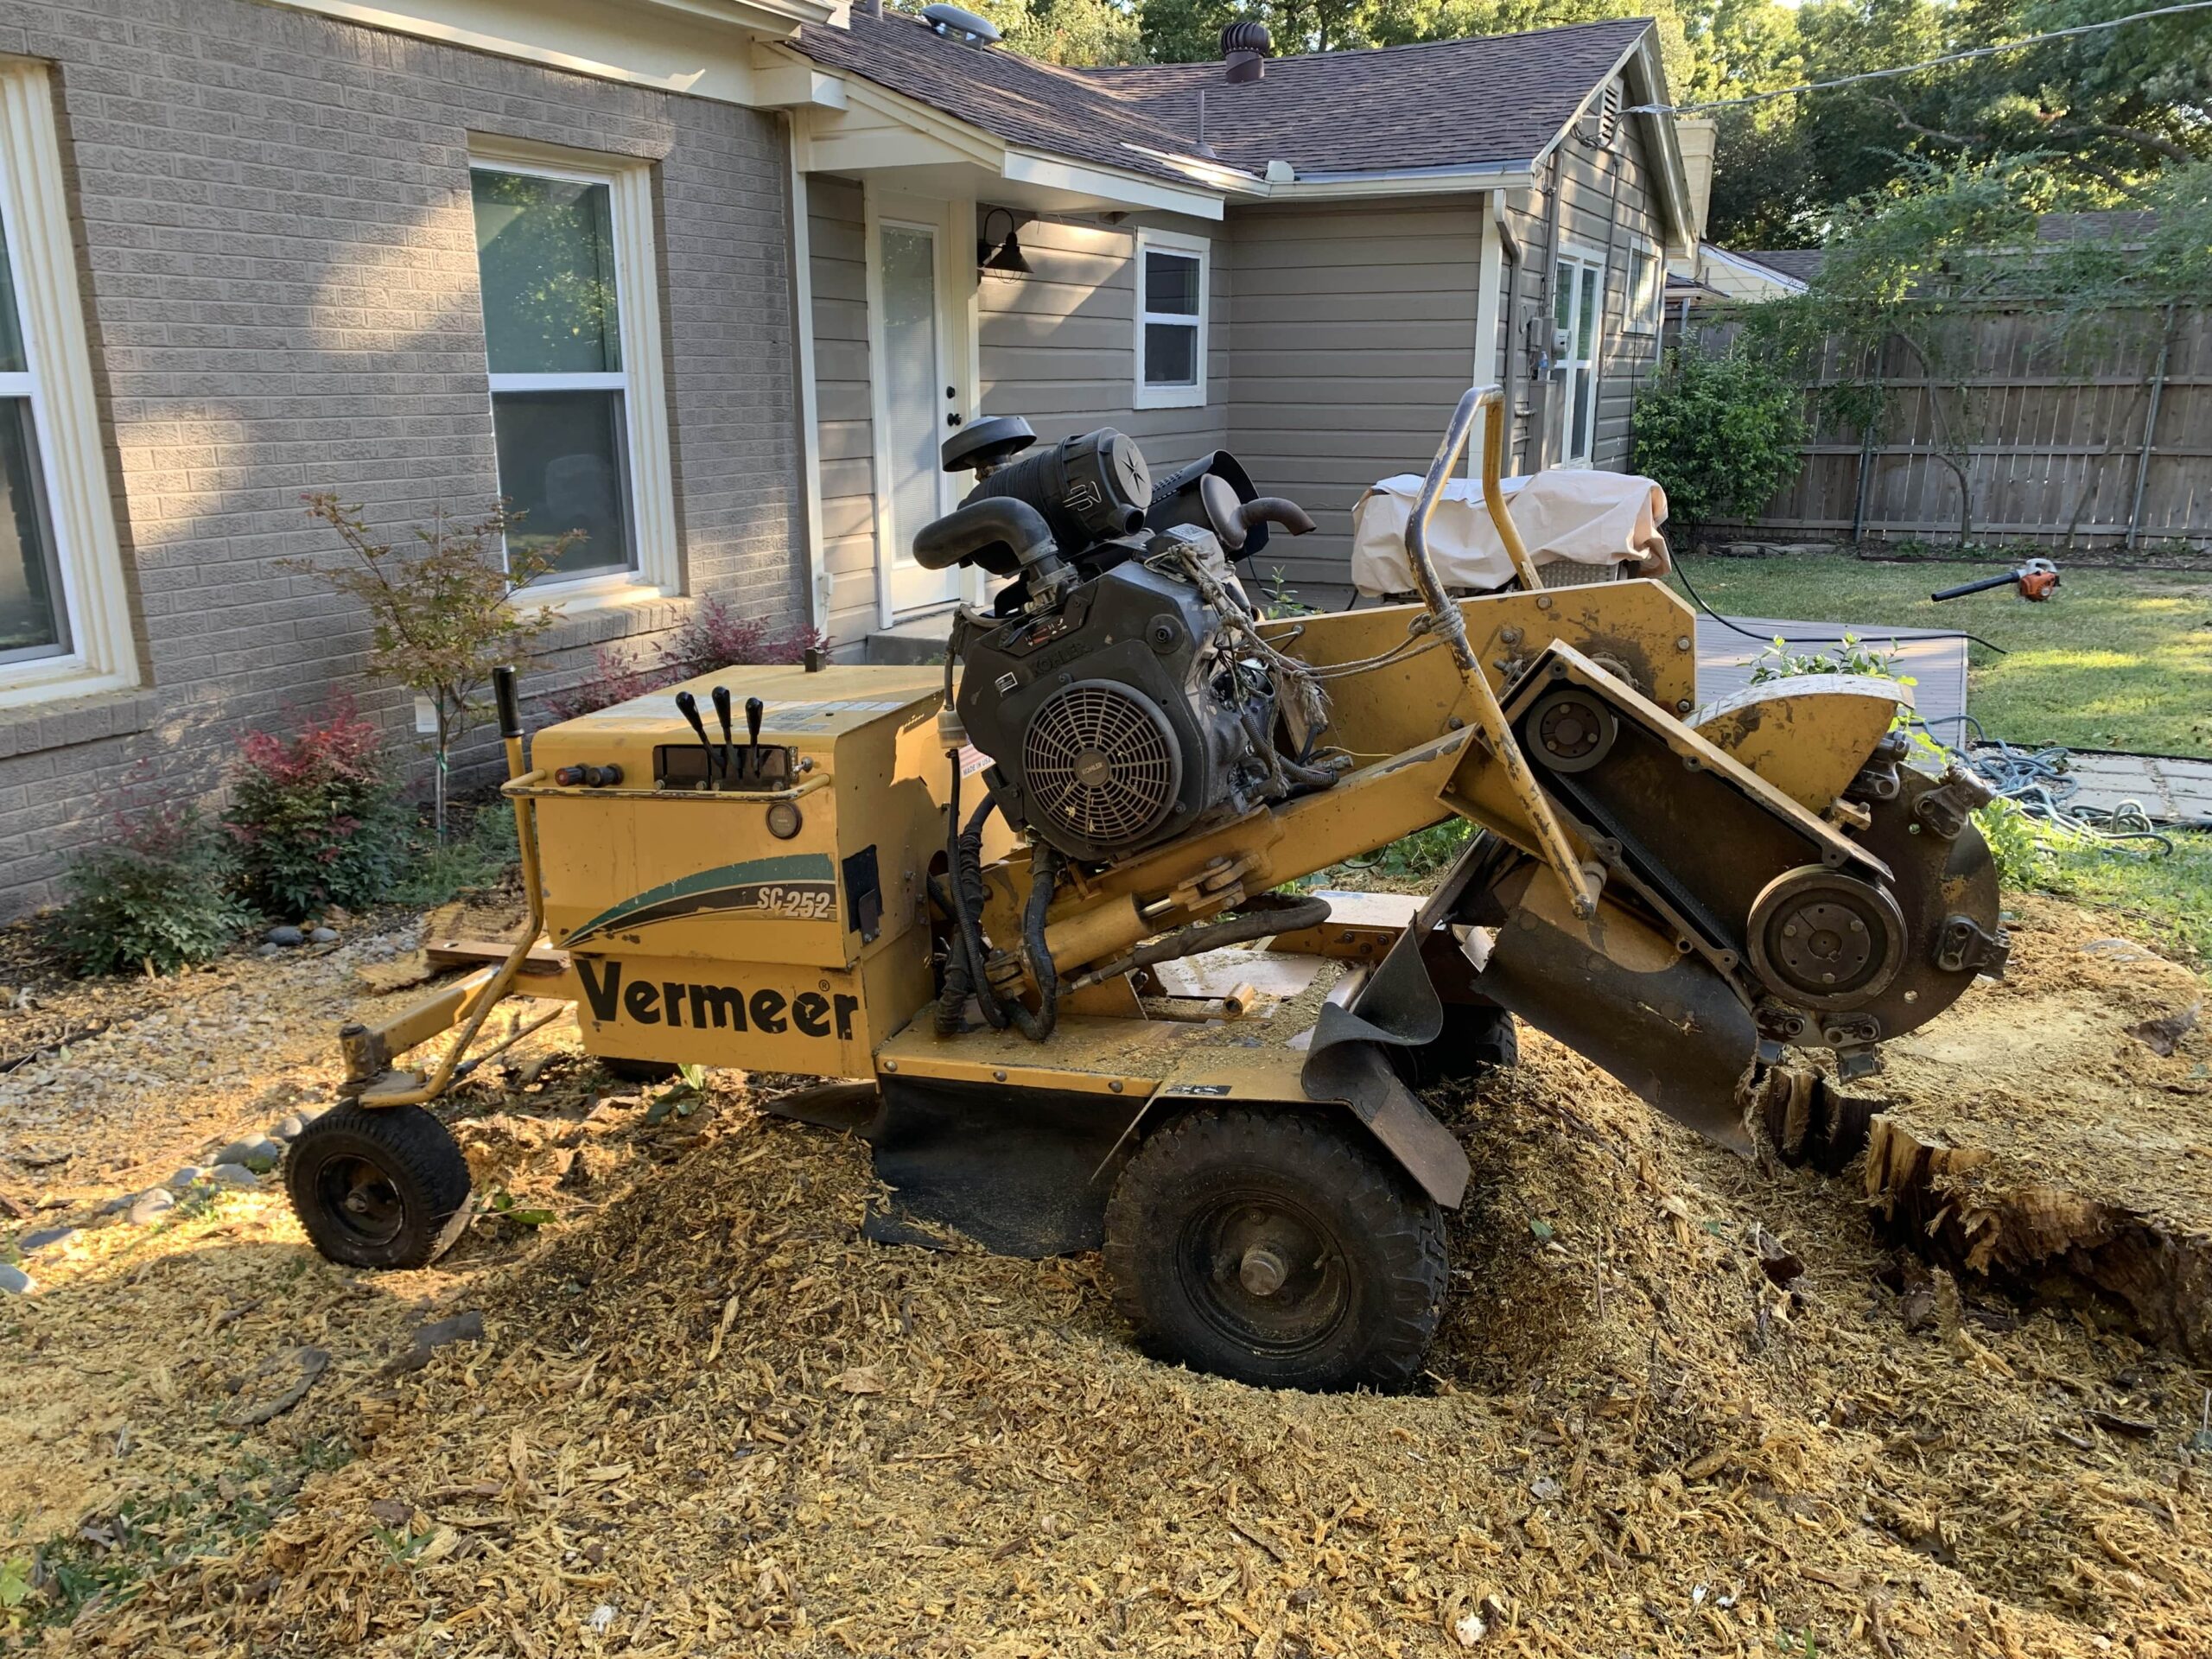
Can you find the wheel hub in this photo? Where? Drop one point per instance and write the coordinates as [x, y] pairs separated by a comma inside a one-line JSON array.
[[362, 1198], [1262, 1272], [1265, 1273]]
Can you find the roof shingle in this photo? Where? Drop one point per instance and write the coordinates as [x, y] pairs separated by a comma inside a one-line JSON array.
[[1491, 101], [1008, 96]]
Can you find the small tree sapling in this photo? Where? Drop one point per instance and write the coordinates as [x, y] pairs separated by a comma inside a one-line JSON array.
[[440, 613]]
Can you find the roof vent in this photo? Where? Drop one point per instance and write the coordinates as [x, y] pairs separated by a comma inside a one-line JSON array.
[[956, 24], [1244, 47]]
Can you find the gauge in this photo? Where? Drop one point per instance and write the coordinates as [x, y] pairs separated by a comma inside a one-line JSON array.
[[783, 820]]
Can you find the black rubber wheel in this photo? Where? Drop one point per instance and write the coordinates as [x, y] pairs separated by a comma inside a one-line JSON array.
[[636, 1070], [1475, 1039], [1279, 1248], [381, 1187]]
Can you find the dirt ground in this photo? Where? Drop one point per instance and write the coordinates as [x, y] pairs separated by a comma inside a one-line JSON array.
[[706, 1416]]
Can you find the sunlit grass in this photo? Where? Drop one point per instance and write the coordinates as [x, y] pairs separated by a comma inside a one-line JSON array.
[[2120, 659]]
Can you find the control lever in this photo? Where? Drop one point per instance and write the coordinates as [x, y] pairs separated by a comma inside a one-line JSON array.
[[722, 713], [754, 710], [688, 706]]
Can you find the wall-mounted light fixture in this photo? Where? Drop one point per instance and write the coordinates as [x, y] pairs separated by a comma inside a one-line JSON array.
[[1005, 258]]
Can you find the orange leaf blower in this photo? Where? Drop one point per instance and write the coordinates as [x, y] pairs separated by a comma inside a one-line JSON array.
[[2037, 580]]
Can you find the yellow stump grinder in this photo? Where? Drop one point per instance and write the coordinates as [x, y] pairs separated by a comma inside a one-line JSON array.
[[956, 887]]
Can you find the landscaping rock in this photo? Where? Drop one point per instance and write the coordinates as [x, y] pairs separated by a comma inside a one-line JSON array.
[[233, 1175], [324, 936], [45, 1238], [428, 1339], [151, 1205], [286, 1129], [14, 1281], [256, 1153], [286, 936], [117, 1205], [186, 1177]]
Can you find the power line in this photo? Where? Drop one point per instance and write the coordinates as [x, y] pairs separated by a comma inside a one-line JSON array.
[[1927, 63]]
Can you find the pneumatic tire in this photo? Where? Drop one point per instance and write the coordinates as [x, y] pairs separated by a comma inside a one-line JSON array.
[[1279, 1248], [379, 1187]]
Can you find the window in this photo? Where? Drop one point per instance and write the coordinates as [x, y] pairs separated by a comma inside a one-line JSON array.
[[1646, 291], [1577, 307], [564, 263], [1171, 313], [65, 620]]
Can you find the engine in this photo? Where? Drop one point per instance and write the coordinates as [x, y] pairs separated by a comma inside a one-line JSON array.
[[1118, 684]]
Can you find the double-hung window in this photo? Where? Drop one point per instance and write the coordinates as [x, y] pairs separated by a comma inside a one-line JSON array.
[[1646, 281], [1170, 314], [564, 260], [65, 618]]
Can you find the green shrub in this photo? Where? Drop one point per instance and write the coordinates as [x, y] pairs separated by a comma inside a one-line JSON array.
[[315, 818], [1720, 434], [155, 898], [471, 860]]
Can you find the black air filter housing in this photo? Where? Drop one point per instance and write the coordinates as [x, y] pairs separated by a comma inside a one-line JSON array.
[[1091, 488]]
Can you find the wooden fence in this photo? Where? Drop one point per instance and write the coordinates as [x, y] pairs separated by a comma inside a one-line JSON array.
[[2108, 440]]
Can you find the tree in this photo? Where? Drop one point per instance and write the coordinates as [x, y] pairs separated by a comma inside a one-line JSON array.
[[2104, 113], [1069, 32], [1720, 433], [441, 618]]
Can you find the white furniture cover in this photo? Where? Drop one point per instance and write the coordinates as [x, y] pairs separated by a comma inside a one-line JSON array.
[[1564, 516]]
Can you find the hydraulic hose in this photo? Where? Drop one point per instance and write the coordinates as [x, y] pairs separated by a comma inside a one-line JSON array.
[[1239, 929], [967, 971], [968, 935], [1045, 863]]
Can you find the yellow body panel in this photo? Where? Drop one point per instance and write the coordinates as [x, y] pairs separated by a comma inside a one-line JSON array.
[[774, 957], [1808, 736]]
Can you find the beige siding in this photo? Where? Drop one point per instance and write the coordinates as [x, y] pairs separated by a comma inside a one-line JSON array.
[[836, 226], [1352, 336], [1059, 347], [1604, 205]]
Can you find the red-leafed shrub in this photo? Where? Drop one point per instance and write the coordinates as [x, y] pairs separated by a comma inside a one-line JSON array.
[[316, 817], [711, 636]]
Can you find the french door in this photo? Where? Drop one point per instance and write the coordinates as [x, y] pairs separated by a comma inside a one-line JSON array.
[[1577, 318]]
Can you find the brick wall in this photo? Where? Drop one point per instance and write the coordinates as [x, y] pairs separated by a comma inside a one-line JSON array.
[[277, 248]]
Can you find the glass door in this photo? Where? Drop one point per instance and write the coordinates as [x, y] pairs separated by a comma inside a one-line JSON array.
[[915, 398], [1578, 304]]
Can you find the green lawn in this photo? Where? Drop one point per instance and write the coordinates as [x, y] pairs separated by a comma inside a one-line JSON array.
[[2120, 659]]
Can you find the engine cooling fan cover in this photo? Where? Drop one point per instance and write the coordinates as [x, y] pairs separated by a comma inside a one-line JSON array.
[[1103, 764]]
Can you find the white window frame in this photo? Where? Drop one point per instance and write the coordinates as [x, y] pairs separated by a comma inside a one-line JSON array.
[[1575, 254], [65, 413], [657, 572], [1191, 396], [1642, 317]]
